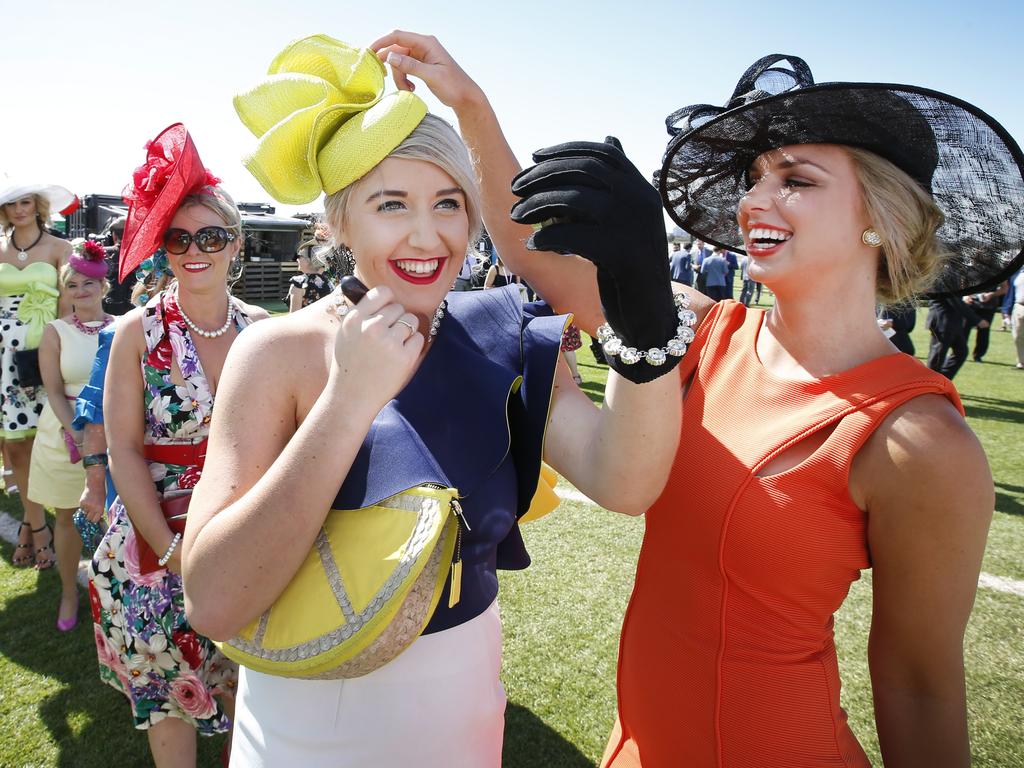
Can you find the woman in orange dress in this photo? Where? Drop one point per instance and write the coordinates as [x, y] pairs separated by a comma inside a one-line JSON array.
[[811, 449]]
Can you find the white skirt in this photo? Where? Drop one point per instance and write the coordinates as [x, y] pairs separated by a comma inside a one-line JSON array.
[[440, 703]]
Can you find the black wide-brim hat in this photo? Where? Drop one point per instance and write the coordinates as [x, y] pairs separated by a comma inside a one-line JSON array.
[[970, 165]]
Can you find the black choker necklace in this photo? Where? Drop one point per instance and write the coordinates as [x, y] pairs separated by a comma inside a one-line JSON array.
[[23, 252]]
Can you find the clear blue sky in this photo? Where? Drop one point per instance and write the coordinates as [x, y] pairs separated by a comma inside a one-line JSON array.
[[86, 84]]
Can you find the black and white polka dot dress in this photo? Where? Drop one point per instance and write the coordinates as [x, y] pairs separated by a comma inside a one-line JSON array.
[[28, 301]]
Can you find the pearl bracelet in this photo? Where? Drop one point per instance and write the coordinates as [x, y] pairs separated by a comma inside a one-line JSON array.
[[170, 551], [676, 346]]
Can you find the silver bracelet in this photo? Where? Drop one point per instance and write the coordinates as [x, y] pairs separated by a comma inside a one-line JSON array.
[[170, 551], [676, 346]]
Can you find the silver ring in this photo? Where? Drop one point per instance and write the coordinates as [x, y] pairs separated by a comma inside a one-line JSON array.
[[407, 324]]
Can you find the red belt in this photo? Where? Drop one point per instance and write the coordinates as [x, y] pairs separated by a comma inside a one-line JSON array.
[[183, 454]]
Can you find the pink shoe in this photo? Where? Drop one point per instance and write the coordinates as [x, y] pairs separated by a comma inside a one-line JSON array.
[[66, 625]]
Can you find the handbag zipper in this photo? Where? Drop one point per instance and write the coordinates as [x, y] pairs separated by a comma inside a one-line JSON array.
[[455, 579], [455, 589]]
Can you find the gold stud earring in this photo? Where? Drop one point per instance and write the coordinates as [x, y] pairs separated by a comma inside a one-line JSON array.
[[871, 238]]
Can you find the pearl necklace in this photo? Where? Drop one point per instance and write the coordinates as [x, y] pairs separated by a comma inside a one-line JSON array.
[[210, 334], [23, 252], [340, 308], [87, 330]]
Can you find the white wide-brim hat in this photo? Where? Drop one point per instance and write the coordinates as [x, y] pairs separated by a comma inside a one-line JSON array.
[[59, 197]]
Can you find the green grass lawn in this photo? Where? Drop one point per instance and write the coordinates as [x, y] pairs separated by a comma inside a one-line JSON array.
[[562, 619]]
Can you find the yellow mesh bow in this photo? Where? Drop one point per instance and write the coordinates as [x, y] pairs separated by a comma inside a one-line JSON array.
[[322, 119]]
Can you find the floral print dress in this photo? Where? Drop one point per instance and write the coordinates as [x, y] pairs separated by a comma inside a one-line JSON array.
[[146, 648], [313, 286]]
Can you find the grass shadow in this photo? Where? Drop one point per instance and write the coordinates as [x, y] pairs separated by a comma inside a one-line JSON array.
[[529, 742], [594, 376], [1008, 499], [86, 721], [993, 410]]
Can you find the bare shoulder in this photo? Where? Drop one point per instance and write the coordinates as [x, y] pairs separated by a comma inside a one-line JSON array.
[[254, 312], [699, 303], [59, 246], [129, 327], [923, 451], [284, 349]]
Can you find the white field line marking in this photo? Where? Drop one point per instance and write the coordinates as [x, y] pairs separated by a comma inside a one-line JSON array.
[[985, 580]]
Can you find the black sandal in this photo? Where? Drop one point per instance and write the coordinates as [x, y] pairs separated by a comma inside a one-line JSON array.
[[25, 560], [47, 564]]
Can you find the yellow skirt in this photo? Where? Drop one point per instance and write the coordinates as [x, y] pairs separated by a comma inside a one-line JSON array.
[[53, 480]]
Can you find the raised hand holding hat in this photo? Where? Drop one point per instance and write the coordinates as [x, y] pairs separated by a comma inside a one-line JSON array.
[[322, 119], [605, 211]]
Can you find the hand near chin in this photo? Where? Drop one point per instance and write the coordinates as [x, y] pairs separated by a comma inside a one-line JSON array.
[[376, 349], [423, 57]]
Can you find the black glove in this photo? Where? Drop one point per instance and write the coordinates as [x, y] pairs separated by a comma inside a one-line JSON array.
[[606, 212]]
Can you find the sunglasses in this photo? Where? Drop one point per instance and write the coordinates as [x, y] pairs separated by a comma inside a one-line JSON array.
[[207, 240]]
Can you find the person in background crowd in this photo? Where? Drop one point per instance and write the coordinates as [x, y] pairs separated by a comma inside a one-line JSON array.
[[985, 306], [730, 280], [1017, 316], [570, 343], [900, 319], [498, 275], [681, 265], [949, 321], [118, 300], [30, 261], [747, 289], [56, 476], [698, 252], [1006, 306], [464, 281], [310, 285], [715, 269], [165, 364]]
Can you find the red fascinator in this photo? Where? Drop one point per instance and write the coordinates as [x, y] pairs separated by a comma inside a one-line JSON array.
[[172, 171], [90, 260]]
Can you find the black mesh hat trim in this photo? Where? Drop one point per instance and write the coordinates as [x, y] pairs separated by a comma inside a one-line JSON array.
[[972, 167]]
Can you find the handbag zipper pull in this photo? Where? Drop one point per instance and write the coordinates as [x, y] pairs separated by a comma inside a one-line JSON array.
[[459, 514], [455, 584]]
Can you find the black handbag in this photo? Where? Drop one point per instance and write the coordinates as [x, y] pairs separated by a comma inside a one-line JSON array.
[[27, 363]]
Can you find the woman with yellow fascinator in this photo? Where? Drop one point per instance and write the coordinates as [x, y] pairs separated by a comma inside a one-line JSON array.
[[350, 658]]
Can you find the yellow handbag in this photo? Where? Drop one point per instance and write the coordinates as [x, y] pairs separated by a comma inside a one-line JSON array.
[[364, 593]]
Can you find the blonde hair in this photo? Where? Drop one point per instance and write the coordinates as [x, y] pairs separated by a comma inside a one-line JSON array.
[[42, 211], [433, 141], [907, 218], [218, 201]]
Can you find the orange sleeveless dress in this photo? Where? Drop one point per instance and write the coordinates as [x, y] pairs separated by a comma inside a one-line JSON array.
[[727, 655]]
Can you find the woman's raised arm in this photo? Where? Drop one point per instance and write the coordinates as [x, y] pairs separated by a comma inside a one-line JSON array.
[[564, 281]]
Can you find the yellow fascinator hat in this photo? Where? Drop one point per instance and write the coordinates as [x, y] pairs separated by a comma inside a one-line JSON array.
[[322, 119]]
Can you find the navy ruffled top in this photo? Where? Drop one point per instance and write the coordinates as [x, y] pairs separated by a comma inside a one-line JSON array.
[[472, 418]]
